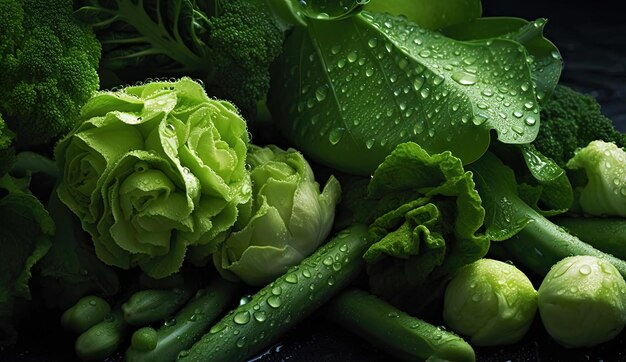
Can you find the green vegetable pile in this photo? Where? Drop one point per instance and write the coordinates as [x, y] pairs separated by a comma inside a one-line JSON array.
[[189, 180]]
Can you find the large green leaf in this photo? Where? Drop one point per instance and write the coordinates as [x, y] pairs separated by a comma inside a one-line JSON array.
[[347, 92], [545, 59], [430, 14]]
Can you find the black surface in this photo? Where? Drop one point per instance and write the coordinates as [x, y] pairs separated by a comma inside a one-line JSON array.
[[592, 39]]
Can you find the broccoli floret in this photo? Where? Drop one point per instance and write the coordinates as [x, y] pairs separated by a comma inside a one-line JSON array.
[[229, 45], [244, 41], [570, 120], [7, 153], [49, 67]]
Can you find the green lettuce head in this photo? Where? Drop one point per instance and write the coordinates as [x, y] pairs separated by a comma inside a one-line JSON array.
[[286, 220], [153, 170]]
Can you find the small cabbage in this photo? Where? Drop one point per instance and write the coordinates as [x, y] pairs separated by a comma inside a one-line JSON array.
[[154, 169], [491, 301], [286, 220], [582, 301], [605, 165]]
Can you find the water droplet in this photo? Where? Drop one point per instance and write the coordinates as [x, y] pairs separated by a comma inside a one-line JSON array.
[[170, 322], [476, 297], [335, 49], [530, 121], [260, 316], [331, 280], [274, 301], [424, 53], [518, 129], [464, 78], [242, 317], [321, 92], [291, 278], [352, 56], [335, 135], [306, 273], [393, 314], [585, 270], [424, 93], [341, 63], [241, 341], [372, 42]]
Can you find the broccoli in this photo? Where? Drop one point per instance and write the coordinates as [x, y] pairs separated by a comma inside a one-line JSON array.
[[49, 67], [7, 153], [228, 45], [570, 120]]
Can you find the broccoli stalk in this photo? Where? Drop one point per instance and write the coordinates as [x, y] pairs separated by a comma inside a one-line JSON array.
[[229, 45], [570, 120], [48, 61]]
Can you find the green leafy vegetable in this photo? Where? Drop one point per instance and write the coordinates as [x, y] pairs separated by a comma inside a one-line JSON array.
[[430, 14], [49, 62], [71, 269], [432, 224], [582, 301], [25, 232], [605, 192], [172, 179], [284, 222], [491, 301], [346, 92], [544, 58]]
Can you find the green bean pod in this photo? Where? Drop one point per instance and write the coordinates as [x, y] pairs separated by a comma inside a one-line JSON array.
[[286, 301], [87, 312], [190, 323], [153, 305], [101, 340]]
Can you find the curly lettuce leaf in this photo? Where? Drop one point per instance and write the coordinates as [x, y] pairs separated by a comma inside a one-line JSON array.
[[346, 92], [433, 224]]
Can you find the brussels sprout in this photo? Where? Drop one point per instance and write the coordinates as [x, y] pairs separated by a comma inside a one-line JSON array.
[[490, 301], [605, 191], [154, 169], [582, 301], [285, 221]]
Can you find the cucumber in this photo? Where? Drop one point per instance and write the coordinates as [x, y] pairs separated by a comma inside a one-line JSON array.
[[286, 301], [399, 334], [87, 312], [190, 323]]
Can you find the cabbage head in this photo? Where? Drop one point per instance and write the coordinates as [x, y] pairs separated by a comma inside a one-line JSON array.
[[153, 170], [284, 222]]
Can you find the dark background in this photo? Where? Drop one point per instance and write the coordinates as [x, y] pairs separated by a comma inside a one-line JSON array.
[[591, 36]]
